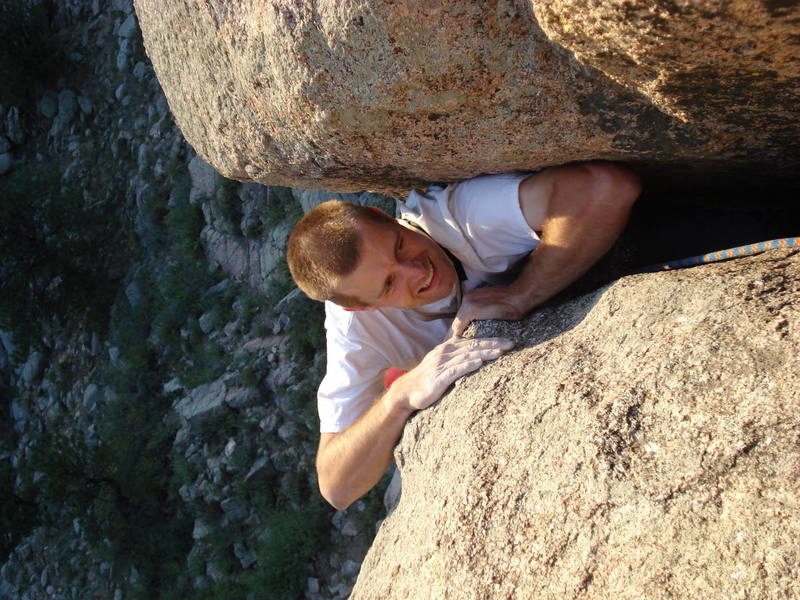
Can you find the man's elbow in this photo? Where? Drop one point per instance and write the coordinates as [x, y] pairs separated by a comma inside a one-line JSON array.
[[335, 497], [335, 492], [614, 185]]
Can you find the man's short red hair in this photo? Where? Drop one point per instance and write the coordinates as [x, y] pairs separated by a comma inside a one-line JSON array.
[[325, 246]]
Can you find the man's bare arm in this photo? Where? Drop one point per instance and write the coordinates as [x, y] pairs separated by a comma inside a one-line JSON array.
[[351, 462], [580, 209]]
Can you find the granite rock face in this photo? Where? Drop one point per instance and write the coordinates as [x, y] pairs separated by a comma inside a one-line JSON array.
[[642, 442], [350, 95], [692, 59]]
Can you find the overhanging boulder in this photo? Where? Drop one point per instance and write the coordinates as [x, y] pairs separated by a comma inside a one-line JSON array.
[[696, 60], [386, 95], [642, 442]]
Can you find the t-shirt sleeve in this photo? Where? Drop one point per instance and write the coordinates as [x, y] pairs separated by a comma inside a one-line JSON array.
[[487, 210], [354, 376], [479, 220]]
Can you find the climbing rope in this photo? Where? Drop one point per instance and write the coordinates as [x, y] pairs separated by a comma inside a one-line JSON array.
[[681, 263]]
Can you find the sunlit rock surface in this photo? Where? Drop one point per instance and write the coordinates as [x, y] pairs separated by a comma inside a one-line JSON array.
[[641, 442], [349, 95]]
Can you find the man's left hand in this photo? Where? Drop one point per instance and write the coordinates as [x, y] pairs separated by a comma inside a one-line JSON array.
[[580, 210], [495, 302]]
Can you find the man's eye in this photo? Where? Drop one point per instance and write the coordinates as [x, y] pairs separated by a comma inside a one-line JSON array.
[[398, 246], [389, 284]]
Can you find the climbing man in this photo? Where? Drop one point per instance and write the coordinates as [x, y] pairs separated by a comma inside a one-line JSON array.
[[399, 293]]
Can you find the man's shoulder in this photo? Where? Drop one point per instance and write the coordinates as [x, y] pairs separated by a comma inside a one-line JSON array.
[[353, 324], [375, 329], [478, 220], [484, 199], [337, 315], [420, 204]]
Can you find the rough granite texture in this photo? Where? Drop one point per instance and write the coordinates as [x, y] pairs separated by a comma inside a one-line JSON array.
[[643, 441], [386, 95], [693, 58]]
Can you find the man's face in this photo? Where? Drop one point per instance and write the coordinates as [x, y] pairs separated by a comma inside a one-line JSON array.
[[398, 267]]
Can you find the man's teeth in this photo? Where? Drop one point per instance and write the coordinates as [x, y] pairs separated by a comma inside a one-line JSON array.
[[430, 276]]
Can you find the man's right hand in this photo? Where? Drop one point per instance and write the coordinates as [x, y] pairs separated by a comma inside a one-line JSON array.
[[351, 462], [455, 357]]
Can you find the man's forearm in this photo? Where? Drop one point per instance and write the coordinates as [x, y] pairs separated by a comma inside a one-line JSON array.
[[580, 210], [576, 235], [351, 462]]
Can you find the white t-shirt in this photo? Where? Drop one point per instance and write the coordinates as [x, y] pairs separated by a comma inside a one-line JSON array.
[[481, 223]]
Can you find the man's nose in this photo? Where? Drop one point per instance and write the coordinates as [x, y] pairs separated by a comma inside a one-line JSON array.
[[413, 265], [413, 271]]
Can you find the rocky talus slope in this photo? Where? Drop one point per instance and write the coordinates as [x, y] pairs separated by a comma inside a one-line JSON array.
[[640, 442], [207, 356]]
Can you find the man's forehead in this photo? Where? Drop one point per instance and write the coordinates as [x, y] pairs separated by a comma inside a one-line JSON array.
[[377, 242], [381, 224], [375, 234]]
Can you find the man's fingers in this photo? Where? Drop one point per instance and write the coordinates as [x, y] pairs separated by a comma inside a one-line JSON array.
[[460, 346], [481, 354], [458, 326], [474, 353], [453, 372], [485, 354], [494, 302], [463, 364], [453, 359], [464, 316]]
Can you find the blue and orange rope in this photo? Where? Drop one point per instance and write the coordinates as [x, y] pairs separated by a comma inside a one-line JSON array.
[[748, 249]]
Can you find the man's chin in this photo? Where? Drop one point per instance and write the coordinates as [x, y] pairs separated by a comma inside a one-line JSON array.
[[442, 291]]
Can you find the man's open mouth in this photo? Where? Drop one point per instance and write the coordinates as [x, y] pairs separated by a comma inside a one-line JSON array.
[[431, 276]]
